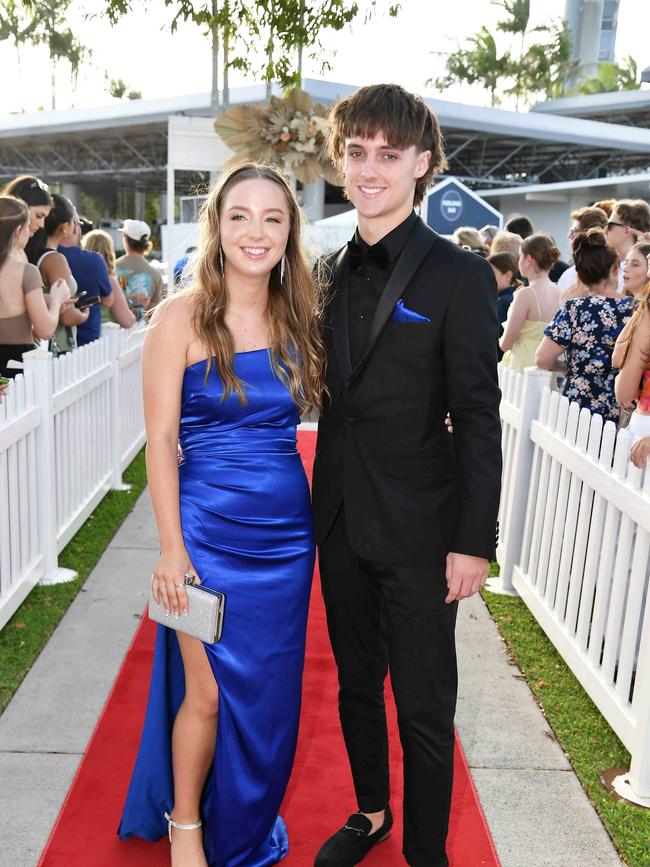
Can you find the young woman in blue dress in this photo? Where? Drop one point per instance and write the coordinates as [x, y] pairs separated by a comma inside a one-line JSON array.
[[229, 365]]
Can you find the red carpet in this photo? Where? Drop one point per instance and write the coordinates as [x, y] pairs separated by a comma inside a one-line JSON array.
[[320, 793]]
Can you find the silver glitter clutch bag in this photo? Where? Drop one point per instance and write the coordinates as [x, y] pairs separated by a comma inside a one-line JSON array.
[[204, 619]]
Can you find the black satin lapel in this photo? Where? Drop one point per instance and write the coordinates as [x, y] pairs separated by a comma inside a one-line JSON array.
[[340, 326], [417, 246]]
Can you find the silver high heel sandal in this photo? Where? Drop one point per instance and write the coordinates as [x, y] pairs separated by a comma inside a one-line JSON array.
[[181, 826]]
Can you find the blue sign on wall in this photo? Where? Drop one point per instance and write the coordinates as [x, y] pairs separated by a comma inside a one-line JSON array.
[[451, 204]]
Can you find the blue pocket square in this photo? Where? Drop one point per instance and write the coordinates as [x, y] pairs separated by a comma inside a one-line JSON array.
[[403, 314]]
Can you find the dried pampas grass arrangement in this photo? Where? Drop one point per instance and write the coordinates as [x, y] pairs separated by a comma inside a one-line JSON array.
[[288, 132]]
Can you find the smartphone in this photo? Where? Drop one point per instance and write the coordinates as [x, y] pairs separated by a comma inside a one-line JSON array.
[[78, 296], [90, 301]]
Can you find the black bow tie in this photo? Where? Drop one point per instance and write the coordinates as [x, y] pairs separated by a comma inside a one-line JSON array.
[[359, 255]]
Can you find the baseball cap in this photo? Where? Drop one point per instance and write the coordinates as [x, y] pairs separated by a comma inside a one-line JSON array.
[[86, 225], [137, 230]]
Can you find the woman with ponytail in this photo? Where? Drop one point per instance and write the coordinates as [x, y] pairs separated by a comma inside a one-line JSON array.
[[585, 329], [60, 224]]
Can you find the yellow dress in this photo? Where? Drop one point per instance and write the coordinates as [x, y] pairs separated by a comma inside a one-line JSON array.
[[523, 351]]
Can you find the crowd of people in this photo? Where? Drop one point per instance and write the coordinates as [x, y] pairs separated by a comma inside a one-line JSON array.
[[60, 278], [589, 320]]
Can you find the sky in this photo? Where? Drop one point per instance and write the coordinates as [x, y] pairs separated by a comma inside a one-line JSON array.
[[143, 52]]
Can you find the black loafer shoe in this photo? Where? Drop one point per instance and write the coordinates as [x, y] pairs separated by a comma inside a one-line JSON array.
[[351, 844]]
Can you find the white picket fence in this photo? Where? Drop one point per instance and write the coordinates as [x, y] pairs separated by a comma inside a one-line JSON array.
[[521, 397], [69, 426], [575, 543]]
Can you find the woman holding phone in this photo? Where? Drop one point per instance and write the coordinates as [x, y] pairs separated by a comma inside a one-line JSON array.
[[59, 225], [24, 314], [229, 365]]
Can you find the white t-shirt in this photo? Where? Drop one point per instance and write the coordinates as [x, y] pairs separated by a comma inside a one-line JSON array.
[[570, 276]]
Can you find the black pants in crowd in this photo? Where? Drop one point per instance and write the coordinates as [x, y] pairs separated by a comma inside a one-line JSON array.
[[12, 352], [385, 617]]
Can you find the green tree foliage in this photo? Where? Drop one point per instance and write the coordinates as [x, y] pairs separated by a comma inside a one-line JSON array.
[[546, 67], [612, 76], [119, 89], [238, 27], [477, 64], [43, 23], [519, 16], [516, 23], [518, 12], [529, 70], [16, 24]]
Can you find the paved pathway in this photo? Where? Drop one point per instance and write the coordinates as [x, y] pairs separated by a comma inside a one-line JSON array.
[[537, 811]]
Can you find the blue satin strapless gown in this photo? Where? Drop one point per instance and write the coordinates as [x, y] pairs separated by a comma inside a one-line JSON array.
[[246, 520]]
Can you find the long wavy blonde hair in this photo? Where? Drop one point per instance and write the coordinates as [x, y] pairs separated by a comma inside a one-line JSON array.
[[99, 241], [294, 305], [641, 310]]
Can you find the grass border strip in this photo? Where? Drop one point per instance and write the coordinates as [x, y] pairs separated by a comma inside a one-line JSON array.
[[27, 632], [587, 739]]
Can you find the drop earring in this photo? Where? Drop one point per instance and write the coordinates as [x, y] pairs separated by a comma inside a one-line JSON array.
[[282, 270], [221, 260]]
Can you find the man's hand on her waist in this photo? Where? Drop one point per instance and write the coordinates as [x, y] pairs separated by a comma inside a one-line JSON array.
[[465, 575]]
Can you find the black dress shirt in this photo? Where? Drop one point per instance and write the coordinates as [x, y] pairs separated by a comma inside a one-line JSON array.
[[370, 269]]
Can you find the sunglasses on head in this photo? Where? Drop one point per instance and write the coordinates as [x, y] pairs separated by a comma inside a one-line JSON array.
[[37, 184]]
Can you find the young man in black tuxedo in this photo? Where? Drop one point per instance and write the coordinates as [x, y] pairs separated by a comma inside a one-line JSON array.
[[404, 513]]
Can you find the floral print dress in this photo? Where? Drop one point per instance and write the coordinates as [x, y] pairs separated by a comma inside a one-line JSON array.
[[587, 329]]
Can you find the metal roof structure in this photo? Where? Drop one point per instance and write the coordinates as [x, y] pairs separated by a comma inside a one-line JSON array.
[[126, 143], [626, 107], [545, 192], [491, 146]]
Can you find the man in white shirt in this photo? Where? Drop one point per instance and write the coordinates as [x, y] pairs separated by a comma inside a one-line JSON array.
[[582, 219]]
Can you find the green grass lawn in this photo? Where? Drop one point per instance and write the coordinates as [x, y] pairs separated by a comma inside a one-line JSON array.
[[588, 741], [25, 635], [586, 738]]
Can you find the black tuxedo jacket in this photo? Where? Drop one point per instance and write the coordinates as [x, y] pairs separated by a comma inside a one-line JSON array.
[[412, 491]]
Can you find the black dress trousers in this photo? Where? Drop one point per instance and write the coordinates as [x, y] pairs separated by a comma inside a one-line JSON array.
[[385, 617]]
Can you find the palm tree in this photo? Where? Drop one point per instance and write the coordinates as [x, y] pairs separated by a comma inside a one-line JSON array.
[[517, 24], [611, 77], [478, 64]]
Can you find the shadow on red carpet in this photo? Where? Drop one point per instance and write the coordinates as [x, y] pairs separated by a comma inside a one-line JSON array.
[[320, 793]]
